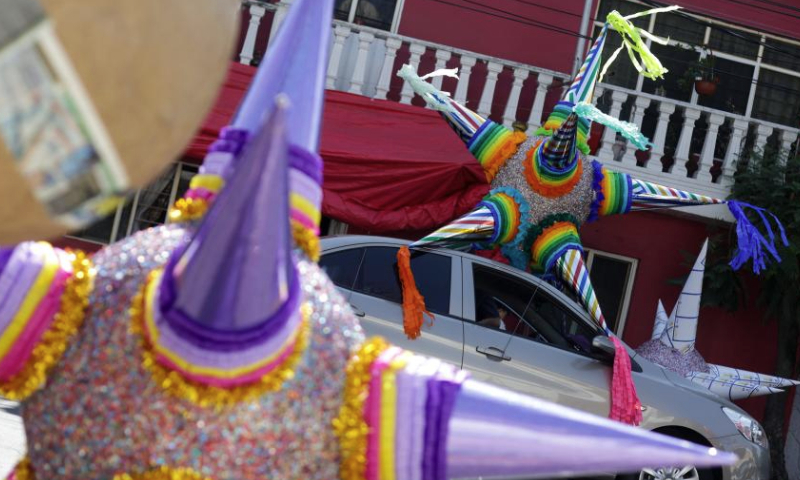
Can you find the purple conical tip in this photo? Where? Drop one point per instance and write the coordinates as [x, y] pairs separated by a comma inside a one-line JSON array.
[[560, 148], [296, 65], [237, 272], [497, 433]]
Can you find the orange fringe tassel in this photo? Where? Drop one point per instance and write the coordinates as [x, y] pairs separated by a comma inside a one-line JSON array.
[[413, 302]]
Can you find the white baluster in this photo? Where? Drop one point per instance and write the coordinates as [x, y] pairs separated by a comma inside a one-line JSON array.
[[640, 105], [249, 45], [709, 146], [365, 40], [606, 153], [340, 34], [442, 56], [788, 137], [762, 135], [280, 14], [485, 106], [416, 53], [467, 63], [543, 82], [733, 151], [690, 116], [510, 115], [665, 110], [387, 71]]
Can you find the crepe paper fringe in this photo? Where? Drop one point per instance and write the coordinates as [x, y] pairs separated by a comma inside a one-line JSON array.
[[493, 164], [207, 396], [55, 339], [350, 426], [625, 404], [413, 301], [536, 175], [164, 473], [628, 130], [597, 186], [751, 243]]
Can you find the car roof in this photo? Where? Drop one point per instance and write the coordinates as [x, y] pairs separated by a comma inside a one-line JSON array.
[[340, 241]]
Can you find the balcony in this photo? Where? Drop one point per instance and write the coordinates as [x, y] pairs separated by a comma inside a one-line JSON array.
[[694, 147]]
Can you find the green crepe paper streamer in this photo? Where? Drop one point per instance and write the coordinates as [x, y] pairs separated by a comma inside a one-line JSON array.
[[632, 41], [543, 132], [626, 129]]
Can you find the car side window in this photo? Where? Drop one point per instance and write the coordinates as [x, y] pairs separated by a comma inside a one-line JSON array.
[[377, 275], [506, 302], [552, 315], [342, 266]]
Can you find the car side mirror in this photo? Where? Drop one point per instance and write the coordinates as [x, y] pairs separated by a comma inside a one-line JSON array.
[[603, 347]]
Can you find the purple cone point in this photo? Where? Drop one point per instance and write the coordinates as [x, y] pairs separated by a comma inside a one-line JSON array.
[[296, 65], [236, 275], [497, 433]]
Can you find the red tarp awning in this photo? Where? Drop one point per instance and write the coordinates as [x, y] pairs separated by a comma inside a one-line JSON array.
[[389, 167]]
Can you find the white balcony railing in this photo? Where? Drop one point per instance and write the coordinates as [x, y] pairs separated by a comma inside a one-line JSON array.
[[694, 148]]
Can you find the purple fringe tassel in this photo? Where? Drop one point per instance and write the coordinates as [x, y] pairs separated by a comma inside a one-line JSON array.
[[594, 209], [751, 243]]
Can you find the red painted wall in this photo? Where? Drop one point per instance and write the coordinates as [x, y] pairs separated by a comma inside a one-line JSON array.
[[743, 339], [765, 17], [513, 37]]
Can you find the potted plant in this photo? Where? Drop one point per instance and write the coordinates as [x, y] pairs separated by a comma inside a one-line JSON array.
[[702, 75]]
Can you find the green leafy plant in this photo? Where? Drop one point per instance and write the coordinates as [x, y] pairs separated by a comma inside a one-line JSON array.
[[769, 179], [702, 69]]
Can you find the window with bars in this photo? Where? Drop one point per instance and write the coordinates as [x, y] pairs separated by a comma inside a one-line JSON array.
[[147, 208], [759, 73], [380, 14]]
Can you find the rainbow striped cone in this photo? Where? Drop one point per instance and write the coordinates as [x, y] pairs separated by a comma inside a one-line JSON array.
[[490, 143], [475, 227], [572, 269], [560, 150], [648, 195]]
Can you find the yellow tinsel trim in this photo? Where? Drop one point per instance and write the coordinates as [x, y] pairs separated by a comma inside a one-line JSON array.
[[349, 426], [306, 240], [187, 209], [509, 148], [55, 339], [23, 471], [164, 473], [173, 383]]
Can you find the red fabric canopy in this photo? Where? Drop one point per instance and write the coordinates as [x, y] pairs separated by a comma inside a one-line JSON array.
[[388, 167]]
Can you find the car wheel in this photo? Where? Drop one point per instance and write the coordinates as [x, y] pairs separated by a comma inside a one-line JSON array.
[[678, 473]]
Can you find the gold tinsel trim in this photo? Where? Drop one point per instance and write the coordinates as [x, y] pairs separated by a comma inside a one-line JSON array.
[[164, 473], [187, 209], [55, 339], [306, 240], [350, 426], [23, 471], [173, 383]]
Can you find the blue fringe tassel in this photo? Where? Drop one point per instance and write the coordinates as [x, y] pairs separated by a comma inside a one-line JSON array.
[[594, 208], [751, 243]]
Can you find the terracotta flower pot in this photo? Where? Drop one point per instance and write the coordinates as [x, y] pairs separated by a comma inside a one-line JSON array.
[[706, 87]]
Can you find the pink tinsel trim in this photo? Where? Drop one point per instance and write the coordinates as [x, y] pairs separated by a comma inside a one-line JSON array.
[[200, 193], [625, 404]]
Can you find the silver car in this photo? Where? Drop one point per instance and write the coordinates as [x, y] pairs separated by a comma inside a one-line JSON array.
[[517, 331]]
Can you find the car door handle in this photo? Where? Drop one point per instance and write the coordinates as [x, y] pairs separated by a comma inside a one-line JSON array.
[[493, 353], [357, 311]]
